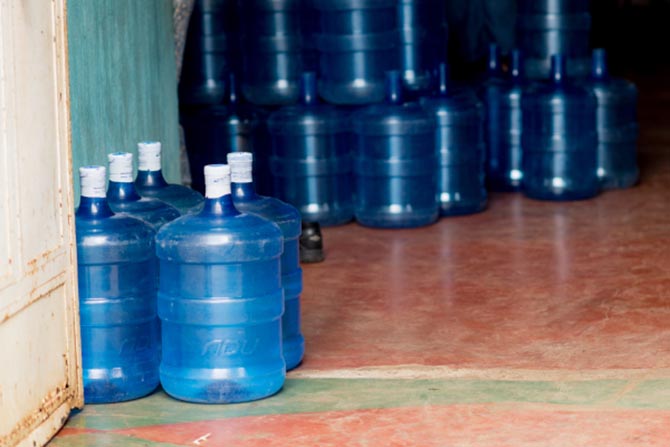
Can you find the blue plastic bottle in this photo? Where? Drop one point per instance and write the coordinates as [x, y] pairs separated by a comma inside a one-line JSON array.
[[117, 297], [272, 45], [287, 218], [547, 27], [311, 164], [150, 182], [560, 142], [123, 198], [460, 147], [503, 129], [211, 133], [210, 53], [396, 179], [618, 128], [423, 42], [220, 301], [359, 42]]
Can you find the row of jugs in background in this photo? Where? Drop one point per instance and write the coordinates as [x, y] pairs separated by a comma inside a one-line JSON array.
[[563, 139], [351, 43], [228, 289]]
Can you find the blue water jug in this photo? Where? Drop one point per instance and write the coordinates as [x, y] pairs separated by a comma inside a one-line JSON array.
[[123, 197], [272, 45], [503, 129], [359, 42], [150, 182], [423, 35], [560, 142], [288, 219], [617, 126], [116, 267], [460, 146], [211, 132], [547, 27], [210, 53], [220, 301], [396, 179], [311, 164]]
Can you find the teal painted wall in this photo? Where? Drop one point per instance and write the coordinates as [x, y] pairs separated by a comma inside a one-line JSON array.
[[123, 83]]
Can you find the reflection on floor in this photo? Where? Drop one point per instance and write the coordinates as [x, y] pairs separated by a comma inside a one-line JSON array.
[[533, 324]]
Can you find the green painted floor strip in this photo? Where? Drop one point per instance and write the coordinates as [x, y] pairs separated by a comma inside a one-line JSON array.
[[319, 395], [104, 439]]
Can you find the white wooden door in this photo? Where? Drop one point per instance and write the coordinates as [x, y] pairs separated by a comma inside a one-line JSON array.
[[39, 348]]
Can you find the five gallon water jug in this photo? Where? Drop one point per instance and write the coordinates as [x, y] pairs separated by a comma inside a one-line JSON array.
[[396, 179], [220, 301], [272, 45], [559, 139], [210, 52], [117, 297], [359, 43], [423, 35], [287, 218], [547, 27], [460, 146], [311, 164], [123, 197], [503, 128], [617, 126], [150, 182], [210, 133]]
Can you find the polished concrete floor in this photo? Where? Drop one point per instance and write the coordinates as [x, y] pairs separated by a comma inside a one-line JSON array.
[[532, 324]]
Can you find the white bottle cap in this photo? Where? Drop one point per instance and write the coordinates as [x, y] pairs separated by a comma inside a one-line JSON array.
[[92, 180], [217, 181], [149, 156], [121, 167], [241, 167]]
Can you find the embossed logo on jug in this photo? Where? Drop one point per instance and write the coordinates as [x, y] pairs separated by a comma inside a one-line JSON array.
[[135, 344], [228, 346]]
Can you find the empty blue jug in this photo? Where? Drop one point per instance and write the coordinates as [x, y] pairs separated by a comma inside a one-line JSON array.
[[548, 27], [116, 267], [311, 163], [503, 128], [396, 178], [123, 198], [618, 128], [460, 147], [150, 182], [560, 141], [287, 218], [220, 301]]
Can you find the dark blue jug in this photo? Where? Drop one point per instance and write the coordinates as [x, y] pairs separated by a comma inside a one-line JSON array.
[[460, 147], [423, 35], [123, 198], [503, 128], [396, 179], [547, 27], [210, 53], [116, 266], [560, 142], [211, 133], [359, 42], [220, 301], [272, 45], [617, 126], [288, 219], [311, 164], [150, 182]]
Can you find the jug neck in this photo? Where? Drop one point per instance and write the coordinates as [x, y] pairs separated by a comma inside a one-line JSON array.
[[493, 66], [245, 192], [558, 69], [151, 179], [393, 87], [232, 90], [599, 69], [94, 208], [219, 207], [443, 79], [122, 192], [516, 67], [308, 95]]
